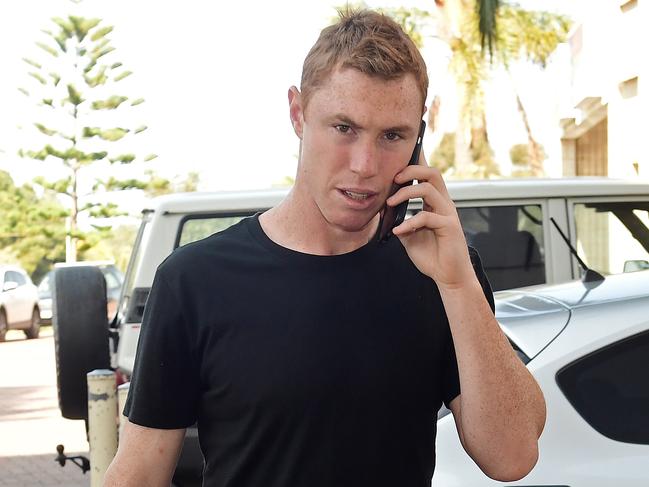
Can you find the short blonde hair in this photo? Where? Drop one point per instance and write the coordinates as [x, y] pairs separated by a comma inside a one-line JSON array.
[[365, 40]]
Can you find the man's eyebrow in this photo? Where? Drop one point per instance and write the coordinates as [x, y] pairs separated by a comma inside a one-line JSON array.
[[404, 129], [346, 120]]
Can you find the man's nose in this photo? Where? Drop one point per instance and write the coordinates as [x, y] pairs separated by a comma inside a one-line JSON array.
[[364, 160]]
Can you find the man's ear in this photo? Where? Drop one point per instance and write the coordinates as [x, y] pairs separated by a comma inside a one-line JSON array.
[[295, 110]]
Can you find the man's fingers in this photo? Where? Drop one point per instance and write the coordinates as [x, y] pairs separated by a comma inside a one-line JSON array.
[[423, 173], [423, 219], [426, 191]]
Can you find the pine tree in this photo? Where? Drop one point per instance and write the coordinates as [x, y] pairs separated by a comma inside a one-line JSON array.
[[75, 88]]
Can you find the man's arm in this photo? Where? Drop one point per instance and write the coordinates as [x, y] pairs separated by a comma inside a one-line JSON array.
[[500, 412], [146, 457]]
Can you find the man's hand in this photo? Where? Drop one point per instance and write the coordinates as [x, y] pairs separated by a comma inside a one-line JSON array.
[[433, 238]]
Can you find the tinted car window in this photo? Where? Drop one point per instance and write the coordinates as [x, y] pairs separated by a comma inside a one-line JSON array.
[[610, 389], [510, 242], [613, 237]]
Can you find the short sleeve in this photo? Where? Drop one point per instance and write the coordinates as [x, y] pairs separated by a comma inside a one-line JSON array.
[[164, 390], [451, 378], [482, 277]]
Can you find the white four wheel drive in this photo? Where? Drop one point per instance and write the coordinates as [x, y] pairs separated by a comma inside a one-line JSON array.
[[516, 226]]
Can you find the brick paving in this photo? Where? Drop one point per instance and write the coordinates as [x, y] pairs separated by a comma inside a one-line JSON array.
[[40, 470], [30, 422]]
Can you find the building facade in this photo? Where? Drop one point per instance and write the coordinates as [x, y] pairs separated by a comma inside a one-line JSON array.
[[604, 106]]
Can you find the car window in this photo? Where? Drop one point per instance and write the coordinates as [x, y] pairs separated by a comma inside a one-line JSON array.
[[16, 277], [613, 237], [198, 227], [10, 276], [509, 240], [44, 286], [111, 280], [610, 390]]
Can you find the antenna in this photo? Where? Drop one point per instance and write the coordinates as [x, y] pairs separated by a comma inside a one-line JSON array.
[[589, 274]]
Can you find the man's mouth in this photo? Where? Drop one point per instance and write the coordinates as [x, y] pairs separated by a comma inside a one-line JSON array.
[[357, 196]]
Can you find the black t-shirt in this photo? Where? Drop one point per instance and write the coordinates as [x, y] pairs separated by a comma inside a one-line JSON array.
[[301, 370]]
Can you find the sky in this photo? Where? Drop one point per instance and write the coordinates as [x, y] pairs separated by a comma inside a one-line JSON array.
[[215, 78]]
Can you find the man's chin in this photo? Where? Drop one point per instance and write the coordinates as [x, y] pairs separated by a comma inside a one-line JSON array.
[[356, 223]]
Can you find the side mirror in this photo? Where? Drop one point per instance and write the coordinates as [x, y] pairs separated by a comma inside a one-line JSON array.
[[635, 265], [9, 285]]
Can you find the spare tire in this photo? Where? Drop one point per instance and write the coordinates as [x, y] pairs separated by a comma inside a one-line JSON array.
[[80, 334]]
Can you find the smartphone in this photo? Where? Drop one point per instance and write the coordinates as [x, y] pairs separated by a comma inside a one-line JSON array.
[[393, 216]]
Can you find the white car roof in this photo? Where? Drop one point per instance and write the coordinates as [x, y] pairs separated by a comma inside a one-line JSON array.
[[217, 201], [466, 190]]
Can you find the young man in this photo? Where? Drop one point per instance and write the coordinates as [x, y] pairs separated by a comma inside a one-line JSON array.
[[309, 353]]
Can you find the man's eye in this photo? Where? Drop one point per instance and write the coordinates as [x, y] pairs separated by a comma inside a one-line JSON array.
[[342, 128], [392, 136]]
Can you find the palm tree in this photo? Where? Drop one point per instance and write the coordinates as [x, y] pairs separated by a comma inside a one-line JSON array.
[[483, 34]]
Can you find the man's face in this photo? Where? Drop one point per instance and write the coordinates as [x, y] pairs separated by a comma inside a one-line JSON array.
[[357, 132]]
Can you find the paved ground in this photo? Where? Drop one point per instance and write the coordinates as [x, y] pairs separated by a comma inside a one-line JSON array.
[[30, 423]]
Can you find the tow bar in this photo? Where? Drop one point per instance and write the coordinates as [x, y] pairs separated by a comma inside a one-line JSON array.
[[80, 461]]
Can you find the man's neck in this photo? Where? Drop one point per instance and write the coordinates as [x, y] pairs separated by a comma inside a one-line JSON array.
[[297, 224]]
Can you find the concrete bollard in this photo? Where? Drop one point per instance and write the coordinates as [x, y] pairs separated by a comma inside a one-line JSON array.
[[122, 393], [102, 425]]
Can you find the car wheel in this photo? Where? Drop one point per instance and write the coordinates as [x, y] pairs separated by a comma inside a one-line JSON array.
[[80, 334], [3, 325], [35, 327]]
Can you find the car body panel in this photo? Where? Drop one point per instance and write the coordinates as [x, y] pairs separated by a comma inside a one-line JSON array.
[[572, 453], [530, 321]]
